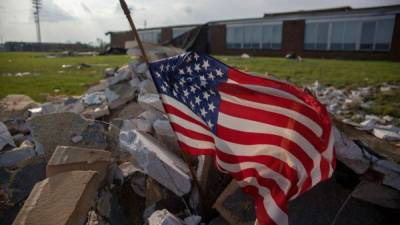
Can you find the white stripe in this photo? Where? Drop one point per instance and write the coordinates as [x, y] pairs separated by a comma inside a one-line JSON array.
[[273, 210], [194, 142], [270, 91], [263, 150], [283, 183], [183, 108], [317, 130], [251, 126]]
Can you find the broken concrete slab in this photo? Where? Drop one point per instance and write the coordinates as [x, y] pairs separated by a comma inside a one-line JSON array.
[[64, 199], [156, 161], [137, 177], [119, 94], [13, 106], [164, 217], [5, 137], [16, 156], [386, 134], [166, 135], [95, 112], [377, 194], [147, 87], [52, 130], [123, 74], [68, 158], [151, 101]]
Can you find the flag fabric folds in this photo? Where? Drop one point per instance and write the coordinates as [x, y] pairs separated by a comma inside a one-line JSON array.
[[274, 138]]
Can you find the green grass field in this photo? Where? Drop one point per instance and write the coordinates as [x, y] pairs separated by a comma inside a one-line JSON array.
[[48, 74]]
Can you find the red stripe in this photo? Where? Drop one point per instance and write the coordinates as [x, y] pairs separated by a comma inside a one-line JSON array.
[[196, 151], [191, 133], [271, 118], [172, 110], [247, 138], [322, 115]]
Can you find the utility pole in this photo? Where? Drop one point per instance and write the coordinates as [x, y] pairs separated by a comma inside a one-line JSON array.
[[37, 5]]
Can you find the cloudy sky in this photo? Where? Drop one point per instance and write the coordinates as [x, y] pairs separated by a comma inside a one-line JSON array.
[[86, 20]]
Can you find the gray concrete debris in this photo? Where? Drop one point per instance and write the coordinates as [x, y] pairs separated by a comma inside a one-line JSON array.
[[119, 94], [156, 161], [386, 135], [123, 74], [19, 138], [16, 156], [95, 112], [164, 217], [109, 72], [103, 203], [377, 194], [94, 98], [76, 139], [139, 67], [5, 137], [131, 110], [151, 101]]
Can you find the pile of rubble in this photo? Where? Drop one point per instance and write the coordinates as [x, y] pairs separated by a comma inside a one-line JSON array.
[[110, 157], [351, 106]]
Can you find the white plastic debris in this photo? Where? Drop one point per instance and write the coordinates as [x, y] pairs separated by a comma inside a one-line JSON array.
[[164, 217], [386, 135]]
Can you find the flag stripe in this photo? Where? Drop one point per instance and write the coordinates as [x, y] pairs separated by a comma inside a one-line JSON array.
[[275, 109]]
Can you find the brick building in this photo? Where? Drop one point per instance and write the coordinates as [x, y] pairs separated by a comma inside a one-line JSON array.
[[362, 33]]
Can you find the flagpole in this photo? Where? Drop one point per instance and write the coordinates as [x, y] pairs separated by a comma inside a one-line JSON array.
[[127, 13], [146, 59]]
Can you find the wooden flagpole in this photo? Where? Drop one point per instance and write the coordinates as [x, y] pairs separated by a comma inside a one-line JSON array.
[[146, 59]]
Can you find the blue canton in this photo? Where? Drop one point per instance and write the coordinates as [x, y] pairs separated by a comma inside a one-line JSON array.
[[193, 80]]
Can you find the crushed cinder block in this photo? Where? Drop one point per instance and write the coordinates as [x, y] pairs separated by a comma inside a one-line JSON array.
[[150, 101], [68, 158], [131, 110], [147, 87], [61, 199], [16, 156], [377, 194], [123, 74], [5, 137], [119, 94], [164, 217], [156, 161], [386, 134]]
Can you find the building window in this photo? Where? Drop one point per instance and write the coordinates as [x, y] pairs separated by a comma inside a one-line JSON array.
[[150, 36], [350, 35], [178, 31], [254, 36]]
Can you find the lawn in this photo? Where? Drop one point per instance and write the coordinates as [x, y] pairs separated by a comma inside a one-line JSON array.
[[47, 75], [339, 73]]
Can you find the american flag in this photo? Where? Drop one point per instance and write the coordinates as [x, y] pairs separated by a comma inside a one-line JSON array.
[[272, 137]]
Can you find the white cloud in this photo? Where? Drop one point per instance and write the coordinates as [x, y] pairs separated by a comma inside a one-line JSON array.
[[86, 20]]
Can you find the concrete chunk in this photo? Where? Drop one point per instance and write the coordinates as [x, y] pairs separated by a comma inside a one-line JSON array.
[[155, 161], [64, 199], [67, 158], [119, 94]]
